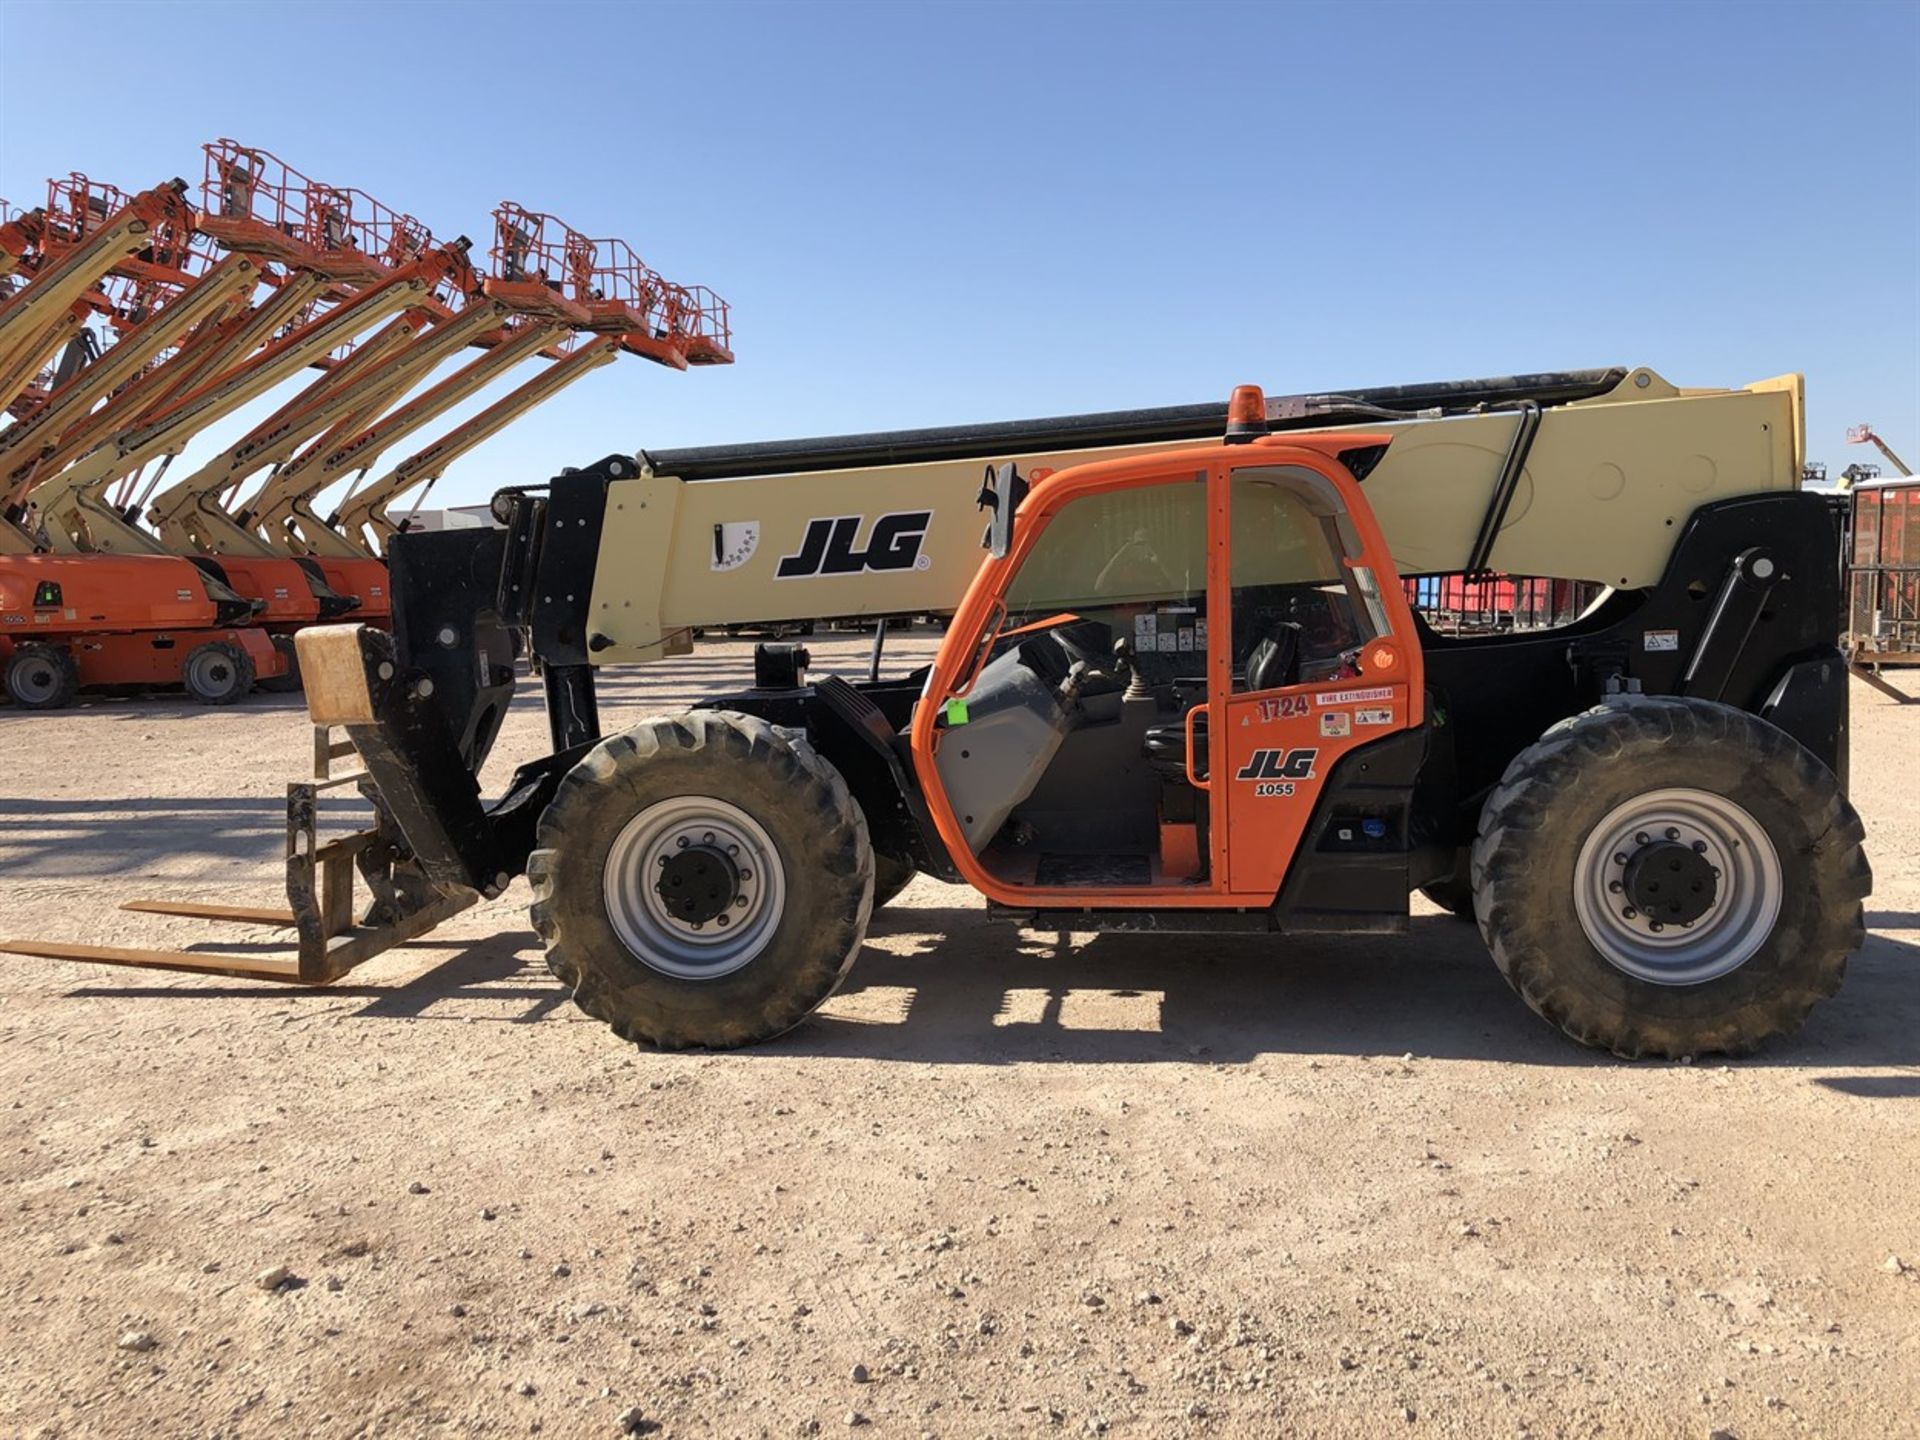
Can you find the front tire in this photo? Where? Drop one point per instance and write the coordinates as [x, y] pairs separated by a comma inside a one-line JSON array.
[[1667, 877], [702, 879], [41, 677]]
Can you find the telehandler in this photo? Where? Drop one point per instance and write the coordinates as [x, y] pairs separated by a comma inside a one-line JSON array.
[[1182, 692]]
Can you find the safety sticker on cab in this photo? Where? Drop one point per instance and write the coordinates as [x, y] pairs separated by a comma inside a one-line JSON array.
[[1351, 697], [1373, 715]]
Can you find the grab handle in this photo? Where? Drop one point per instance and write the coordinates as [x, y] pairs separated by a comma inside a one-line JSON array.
[[1192, 779]]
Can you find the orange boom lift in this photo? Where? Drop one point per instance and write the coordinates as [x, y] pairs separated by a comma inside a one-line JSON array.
[[60, 496], [128, 619]]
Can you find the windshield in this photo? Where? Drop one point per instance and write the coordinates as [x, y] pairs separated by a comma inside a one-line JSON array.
[[1144, 545]]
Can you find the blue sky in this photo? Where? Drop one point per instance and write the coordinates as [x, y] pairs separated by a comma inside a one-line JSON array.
[[927, 214]]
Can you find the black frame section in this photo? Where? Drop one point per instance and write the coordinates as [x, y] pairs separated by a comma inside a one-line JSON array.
[[1160, 425], [1768, 645]]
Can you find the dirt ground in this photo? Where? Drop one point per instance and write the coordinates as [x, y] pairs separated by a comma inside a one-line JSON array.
[[1002, 1185]]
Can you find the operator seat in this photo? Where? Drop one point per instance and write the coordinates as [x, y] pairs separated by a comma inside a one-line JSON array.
[[1273, 662]]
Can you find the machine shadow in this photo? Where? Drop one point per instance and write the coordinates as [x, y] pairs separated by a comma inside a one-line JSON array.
[[1222, 999], [74, 839], [952, 987]]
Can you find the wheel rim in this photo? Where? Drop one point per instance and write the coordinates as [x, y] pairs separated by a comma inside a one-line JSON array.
[[33, 681], [210, 674], [1656, 837], [694, 887]]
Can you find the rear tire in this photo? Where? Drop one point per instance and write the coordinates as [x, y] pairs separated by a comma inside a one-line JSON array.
[[766, 849], [41, 677], [217, 673], [1587, 825], [289, 683]]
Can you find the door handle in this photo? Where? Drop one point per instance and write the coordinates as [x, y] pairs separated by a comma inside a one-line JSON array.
[[1192, 779]]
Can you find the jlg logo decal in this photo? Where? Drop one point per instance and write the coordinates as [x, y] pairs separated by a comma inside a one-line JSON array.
[[829, 547], [1277, 770]]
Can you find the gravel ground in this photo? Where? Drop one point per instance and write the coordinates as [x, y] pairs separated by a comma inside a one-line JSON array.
[[1002, 1185]]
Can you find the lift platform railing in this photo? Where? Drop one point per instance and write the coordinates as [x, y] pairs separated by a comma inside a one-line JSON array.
[[541, 266], [550, 272], [77, 207], [128, 296], [706, 321], [67, 271], [628, 297], [20, 234], [252, 197], [344, 233], [551, 279], [670, 324], [256, 202]]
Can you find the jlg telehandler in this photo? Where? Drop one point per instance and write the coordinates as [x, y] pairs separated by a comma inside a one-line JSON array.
[[1183, 692]]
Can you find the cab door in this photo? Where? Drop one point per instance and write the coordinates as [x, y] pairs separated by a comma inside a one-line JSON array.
[[1318, 668]]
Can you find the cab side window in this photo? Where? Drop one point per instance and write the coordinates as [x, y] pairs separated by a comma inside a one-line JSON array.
[[1134, 560], [1301, 611]]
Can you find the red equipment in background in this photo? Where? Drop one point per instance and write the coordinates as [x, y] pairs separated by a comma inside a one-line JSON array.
[[1883, 583], [1493, 604]]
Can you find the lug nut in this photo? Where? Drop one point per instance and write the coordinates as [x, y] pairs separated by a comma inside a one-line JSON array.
[[1699, 847], [739, 902], [1672, 834], [1620, 859], [1630, 913], [1655, 926], [1641, 838], [1615, 886], [722, 921], [681, 843]]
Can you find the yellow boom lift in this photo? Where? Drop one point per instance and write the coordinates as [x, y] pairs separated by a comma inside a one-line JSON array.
[[50, 309]]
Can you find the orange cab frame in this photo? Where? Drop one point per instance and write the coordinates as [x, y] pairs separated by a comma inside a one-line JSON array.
[[1252, 845]]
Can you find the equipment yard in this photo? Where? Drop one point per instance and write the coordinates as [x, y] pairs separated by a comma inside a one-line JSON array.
[[1125, 1183]]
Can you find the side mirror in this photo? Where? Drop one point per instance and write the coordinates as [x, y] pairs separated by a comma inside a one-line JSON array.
[[1001, 491]]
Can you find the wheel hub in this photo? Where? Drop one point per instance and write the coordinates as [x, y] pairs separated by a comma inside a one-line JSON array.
[[1670, 882], [1677, 886], [698, 884], [694, 887], [35, 680]]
